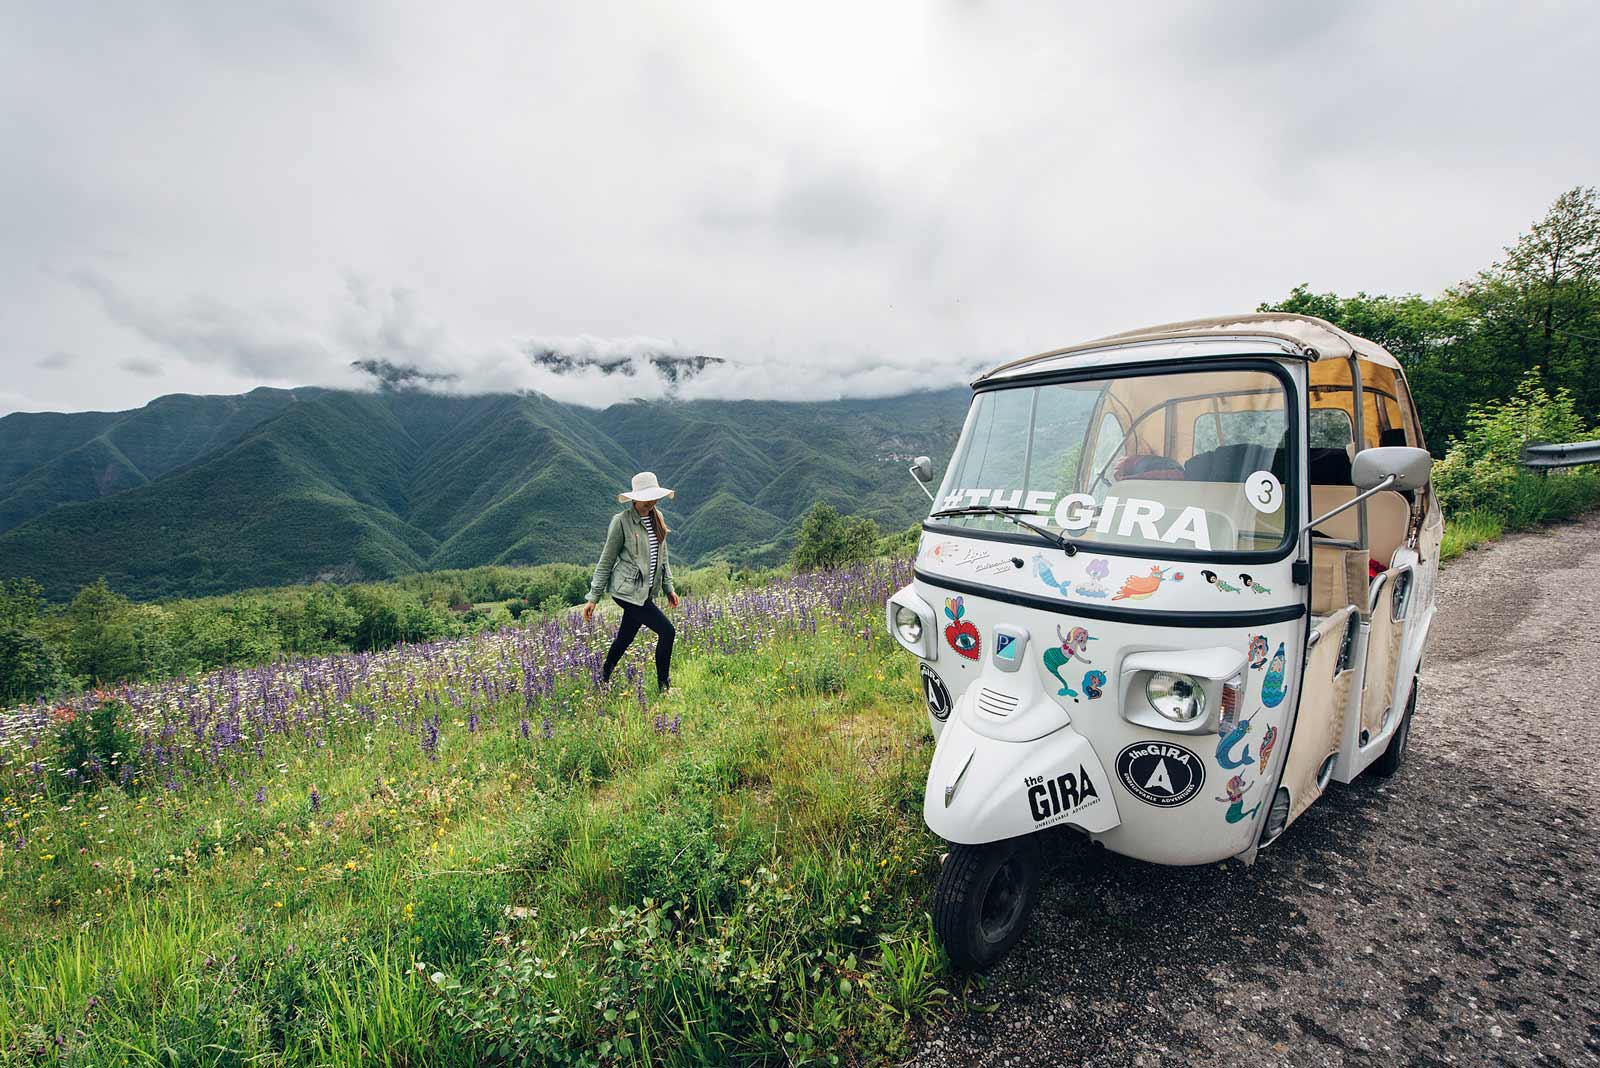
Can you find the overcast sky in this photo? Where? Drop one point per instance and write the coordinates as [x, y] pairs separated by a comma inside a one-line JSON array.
[[859, 198]]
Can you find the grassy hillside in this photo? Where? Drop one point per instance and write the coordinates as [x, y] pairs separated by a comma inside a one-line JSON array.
[[52, 459], [462, 853], [202, 495]]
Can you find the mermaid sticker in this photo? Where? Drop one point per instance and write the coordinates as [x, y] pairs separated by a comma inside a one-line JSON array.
[[1041, 568], [1094, 584], [1254, 586], [1074, 644], [1093, 684], [1226, 743], [1272, 690], [1236, 789], [1219, 582]]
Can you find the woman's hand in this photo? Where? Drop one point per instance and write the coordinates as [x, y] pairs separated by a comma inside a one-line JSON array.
[[588, 611], [672, 599]]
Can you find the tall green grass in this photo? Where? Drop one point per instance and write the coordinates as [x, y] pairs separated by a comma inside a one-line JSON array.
[[1527, 500], [750, 890]]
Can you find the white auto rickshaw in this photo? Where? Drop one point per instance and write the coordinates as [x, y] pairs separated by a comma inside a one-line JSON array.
[[1175, 582]]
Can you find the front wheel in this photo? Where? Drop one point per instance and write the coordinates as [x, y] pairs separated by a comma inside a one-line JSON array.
[[983, 900], [1395, 755]]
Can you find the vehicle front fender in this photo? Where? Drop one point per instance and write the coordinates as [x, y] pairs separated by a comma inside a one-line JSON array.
[[981, 789]]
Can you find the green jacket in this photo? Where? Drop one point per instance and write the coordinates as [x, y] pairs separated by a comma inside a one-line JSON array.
[[624, 563]]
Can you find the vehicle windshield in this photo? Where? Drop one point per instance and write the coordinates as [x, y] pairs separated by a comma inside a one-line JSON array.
[[1187, 460]]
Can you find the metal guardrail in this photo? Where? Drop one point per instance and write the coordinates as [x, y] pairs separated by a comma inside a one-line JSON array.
[[1572, 454]]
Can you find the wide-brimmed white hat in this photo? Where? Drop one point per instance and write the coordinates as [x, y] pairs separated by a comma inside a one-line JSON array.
[[645, 488]]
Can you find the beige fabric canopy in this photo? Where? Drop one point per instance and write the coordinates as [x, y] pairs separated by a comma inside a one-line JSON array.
[[1315, 339]]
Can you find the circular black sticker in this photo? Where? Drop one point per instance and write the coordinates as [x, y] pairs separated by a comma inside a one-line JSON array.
[[938, 697], [1160, 773]]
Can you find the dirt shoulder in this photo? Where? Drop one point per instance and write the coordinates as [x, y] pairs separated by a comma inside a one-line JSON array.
[[1450, 916]]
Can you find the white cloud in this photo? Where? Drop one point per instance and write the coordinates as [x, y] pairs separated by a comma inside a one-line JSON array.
[[834, 198]]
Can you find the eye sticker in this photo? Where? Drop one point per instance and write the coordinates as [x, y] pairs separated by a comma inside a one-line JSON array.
[[1264, 492]]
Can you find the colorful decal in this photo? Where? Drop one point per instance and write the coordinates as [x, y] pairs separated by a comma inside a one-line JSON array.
[[1041, 568], [1053, 800], [1268, 740], [933, 688], [1236, 789], [1139, 587], [1264, 492], [1093, 684], [1258, 650], [1160, 773], [1094, 584], [1253, 584], [1074, 644], [1000, 565], [1226, 743], [1272, 686], [1077, 512], [961, 633], [1220, 583], [1005, 646]]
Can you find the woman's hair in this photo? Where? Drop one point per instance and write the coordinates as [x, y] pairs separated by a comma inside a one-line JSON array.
[[662, 530]]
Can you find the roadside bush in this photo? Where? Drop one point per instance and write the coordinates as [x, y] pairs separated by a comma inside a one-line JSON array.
[[1480, 469]]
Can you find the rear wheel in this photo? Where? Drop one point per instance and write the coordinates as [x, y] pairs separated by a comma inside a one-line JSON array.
[[1395, 755], [983, 900]]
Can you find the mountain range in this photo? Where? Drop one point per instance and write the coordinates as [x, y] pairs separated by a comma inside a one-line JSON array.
[[193, 495]]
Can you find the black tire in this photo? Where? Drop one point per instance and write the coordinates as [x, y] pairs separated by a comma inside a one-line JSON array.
[[983, 900], [1395, 754]]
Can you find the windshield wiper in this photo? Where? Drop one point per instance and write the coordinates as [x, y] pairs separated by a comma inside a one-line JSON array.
[[1014, 515]]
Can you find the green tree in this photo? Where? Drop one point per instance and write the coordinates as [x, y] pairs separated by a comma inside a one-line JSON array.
[[828, 539], [1540, 304], [100, 643], [29, 663]]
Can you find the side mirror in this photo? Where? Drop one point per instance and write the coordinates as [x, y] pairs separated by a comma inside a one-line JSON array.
[[922, 469], [1408, 467]]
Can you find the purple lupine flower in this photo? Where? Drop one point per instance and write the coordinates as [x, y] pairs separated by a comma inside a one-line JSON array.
[[316, 800], [548, 730], [261, 795], [472, 723]]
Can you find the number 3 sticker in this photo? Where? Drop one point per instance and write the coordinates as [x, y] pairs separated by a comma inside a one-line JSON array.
[[1264, 492]]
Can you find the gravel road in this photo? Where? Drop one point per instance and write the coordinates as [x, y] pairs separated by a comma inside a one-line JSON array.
[[1447, 917]]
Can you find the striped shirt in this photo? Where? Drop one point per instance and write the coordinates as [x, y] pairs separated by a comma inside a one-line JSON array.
[[655, 549]]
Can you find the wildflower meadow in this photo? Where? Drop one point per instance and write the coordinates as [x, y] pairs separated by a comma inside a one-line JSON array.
[[471, 851]]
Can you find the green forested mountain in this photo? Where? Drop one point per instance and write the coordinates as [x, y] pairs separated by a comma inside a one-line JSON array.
[[192, 495]]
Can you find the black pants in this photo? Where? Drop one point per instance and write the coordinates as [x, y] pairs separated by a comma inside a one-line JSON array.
[[644, 615]]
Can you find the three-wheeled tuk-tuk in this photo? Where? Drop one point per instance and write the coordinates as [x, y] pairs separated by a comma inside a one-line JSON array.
[[1174, 583]]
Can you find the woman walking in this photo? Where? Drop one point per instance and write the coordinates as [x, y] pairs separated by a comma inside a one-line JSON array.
[[634, 569]]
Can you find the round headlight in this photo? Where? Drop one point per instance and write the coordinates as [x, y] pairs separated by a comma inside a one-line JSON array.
[[908, 623], [1175, 697]]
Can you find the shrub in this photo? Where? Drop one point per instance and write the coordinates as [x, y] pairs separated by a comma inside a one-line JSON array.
[[828, 539], [95, 747], [1480, 469]]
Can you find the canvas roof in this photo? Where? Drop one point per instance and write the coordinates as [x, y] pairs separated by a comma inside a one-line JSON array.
[[1304, 335]]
